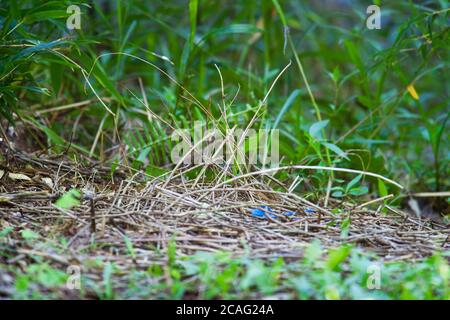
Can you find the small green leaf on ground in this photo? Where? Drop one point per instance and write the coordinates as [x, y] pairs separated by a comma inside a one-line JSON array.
[[28, 234], [69, 199]]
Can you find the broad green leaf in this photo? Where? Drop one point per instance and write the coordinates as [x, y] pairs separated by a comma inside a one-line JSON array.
[[286, 107], [382, 188], [45, 15], [41, 46], [337, 194], [359, 191], [316, 128], [336, 150], [56, 75], [337, 256], [345, 226], [352, 183], [354, 55]]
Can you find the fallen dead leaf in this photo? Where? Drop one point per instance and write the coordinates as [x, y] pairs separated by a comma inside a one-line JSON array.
[[412, 91], [18, 176], [48, 182]]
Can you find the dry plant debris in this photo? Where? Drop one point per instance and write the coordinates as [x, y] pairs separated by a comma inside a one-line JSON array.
[[200, 217]]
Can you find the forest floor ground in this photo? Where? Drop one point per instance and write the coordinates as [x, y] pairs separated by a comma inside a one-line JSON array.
[[60, 220]]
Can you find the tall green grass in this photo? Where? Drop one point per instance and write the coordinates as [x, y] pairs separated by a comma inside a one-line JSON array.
[[343, 102]]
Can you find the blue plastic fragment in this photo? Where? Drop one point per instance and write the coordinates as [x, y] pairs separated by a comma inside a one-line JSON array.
[[309, 210], [258, 213], [261, 212], [266, 211]]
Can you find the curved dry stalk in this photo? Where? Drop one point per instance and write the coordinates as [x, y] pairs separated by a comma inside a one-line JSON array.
[[272, 170]]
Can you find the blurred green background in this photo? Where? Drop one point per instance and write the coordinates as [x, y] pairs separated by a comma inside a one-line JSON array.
[[358, 80]]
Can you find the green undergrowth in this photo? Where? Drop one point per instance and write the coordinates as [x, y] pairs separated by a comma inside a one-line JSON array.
[[373, 100], [345, 272]]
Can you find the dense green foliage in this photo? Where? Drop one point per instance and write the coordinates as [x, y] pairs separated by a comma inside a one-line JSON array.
[[341, 274], [358, 79]]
